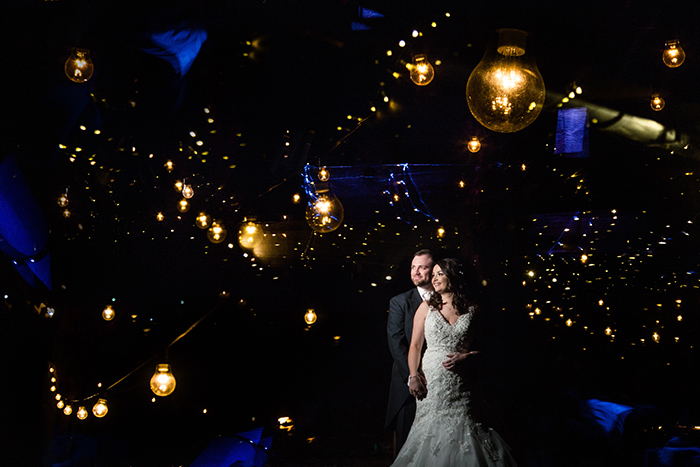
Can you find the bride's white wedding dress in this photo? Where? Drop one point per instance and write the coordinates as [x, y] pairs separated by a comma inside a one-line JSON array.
[[444, 434]]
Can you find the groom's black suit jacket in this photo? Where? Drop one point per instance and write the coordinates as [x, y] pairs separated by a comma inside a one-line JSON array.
[[399, 328]]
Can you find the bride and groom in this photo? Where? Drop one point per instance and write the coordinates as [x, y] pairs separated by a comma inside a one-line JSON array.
[[428, 382]]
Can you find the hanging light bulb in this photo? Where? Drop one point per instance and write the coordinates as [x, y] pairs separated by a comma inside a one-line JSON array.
[[310, 316], [162, 381], [323, 174], [60, 404], [183, 205], [63, 200], [474, 144], [657, 102], [249, 235], [325, 213], [67, 410], [217, 232], [169, 166], [187, 191], [79, 66], [421, 71], [66, 213], [203, 220], [673, 55], [82, 412], [296, 197], [505, 92], [160, 217], [178, 185], [100, 409], [108, 313]]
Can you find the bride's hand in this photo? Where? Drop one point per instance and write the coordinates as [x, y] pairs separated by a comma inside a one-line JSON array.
[[455, 358], [417, 387]]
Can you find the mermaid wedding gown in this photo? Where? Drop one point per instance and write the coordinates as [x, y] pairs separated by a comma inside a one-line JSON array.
[[444, 433]]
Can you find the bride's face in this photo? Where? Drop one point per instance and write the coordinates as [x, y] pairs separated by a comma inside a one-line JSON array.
[[440, 282]]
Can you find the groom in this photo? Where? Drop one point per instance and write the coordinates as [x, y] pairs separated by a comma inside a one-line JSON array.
[[402, 406]]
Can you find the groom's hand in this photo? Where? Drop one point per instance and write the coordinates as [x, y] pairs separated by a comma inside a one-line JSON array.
[[454, 359], [418, 387]]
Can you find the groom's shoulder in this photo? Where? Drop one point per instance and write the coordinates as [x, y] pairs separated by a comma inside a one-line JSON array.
[[404, 295]]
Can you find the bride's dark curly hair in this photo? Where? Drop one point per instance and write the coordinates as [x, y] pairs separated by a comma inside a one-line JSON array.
[[456, 283]]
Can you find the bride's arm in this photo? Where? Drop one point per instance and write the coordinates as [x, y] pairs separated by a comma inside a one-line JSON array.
[[416, 384]]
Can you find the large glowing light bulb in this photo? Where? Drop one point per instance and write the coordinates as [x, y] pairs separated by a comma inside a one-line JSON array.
[[673, 55], [162, 381], [505, 91], [100, 409], [325, 213], [310, 316], [249, 235], [79, 66], [421, 71]]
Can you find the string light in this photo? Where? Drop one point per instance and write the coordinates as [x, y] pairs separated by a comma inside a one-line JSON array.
[[203, 220], [82, 412], [657, 102], [108, 313], [420, 70], [79, 67], [163, 382], [310, 316], [249, 235], [217, 232], [673, 55], [100, 408], [474, 144]]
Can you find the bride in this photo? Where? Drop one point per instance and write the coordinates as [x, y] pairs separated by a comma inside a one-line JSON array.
[[444, 433]]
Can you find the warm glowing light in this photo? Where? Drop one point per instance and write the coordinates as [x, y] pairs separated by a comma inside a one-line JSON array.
[[100, 409], [250, 235], [505, 91], [323, 174], [203, 220], [63, 200], [420, 70], [441, 232], [187, 191], [296, 197], [673, 55], [183, 205], [66, 213], [163, 382], [79, 67], [178, 185], [60, 404], [160, 217], [82, 412], [108, 313], [679, 317], [310, 316], [67, 410], [531, 273], [169, 166], [657, 102], [326, 213], [474, 144], [600, 302], [217, 232], [285, 423], [656, 337], [569, 322]]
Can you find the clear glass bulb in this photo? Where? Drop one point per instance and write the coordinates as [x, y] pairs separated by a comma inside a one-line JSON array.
[[325, 213], [79, 67], [217, 232], [163, 382], [183, 205], [82, 412], [187, 191], [100, 409], [323, 174], [657, 102], [249, 235], [63, 200], [203, 220], [505, 91], [474, 144], [673, 55], [108, 313], [421, 71], [310, 316]]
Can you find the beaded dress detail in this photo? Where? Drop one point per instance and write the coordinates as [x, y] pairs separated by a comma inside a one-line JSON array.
[[444, 433]]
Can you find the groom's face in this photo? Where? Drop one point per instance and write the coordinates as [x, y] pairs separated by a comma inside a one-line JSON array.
[[421, 267]]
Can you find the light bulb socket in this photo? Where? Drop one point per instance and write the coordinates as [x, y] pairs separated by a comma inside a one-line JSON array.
[[511, 42]]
